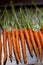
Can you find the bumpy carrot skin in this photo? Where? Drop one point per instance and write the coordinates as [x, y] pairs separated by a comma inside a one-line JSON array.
[[28, 41], [38, 43], [33, 42], [23, 45], [17, 44], [5, 46], [0, 50], [14, 45], [10, 45], [41, 37]]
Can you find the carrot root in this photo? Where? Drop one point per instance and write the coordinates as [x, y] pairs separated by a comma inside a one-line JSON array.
[[28, 41], [33, 42], [23, 45], [39, 44]]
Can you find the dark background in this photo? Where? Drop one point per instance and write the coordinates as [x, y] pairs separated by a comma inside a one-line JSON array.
[[16, 2], [19, 2]]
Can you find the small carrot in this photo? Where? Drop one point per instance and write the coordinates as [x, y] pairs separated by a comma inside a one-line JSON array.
[[38, 43], [0, 50], [28, 41], [14, 44], [33, 42], [23, 45], [17, 44], [10, 45], [5, 46], [41, 37]]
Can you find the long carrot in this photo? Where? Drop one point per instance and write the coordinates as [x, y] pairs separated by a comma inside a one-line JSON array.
[[38, 43], [33, 42], [5, 46], [14, 45], [23, 45], [10, 45], [28, 41], [17, 44], [41, 37], [0, 50]]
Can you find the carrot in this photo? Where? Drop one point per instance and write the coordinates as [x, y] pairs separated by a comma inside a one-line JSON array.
[[28, 41], [33, 42], [5, 46], [10, 45], [17, 44], [0, 50], [14, 45], [23, 45], [39, 44], [41, 37]]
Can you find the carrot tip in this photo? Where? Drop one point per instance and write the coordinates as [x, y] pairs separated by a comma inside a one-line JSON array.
[[40, 60], [11, 60], [20, 61], [4, 63], [32, 56], [25, 62], [37, 59], [17, 62]]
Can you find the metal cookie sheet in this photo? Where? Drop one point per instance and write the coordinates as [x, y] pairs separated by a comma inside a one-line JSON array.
[[30, 60]]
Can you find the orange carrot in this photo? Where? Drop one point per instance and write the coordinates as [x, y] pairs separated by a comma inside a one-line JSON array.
[[28, 41], [41, 37], [0, 51], [23, 45], [33, 42], [39, 44], [17, 44], [10, 45], [14, 45], [5, 46]]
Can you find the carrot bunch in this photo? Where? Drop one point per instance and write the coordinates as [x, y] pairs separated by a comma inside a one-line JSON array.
[[33, 41], [31, 36], [13, 32]]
